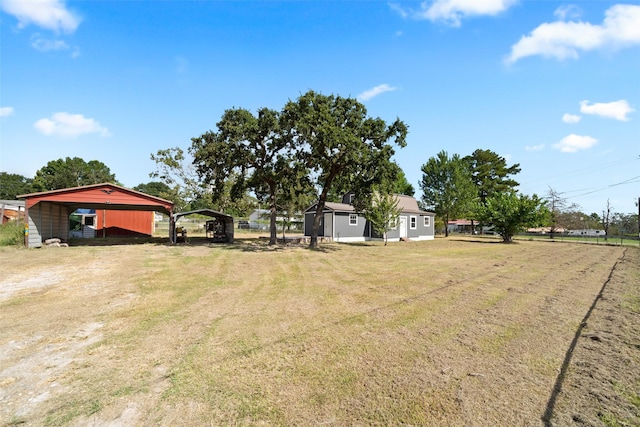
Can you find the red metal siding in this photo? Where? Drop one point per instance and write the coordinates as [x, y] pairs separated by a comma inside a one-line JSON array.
[[123, 223]]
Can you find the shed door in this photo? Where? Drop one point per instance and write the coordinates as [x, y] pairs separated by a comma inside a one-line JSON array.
[[403, 226], [328, 225]]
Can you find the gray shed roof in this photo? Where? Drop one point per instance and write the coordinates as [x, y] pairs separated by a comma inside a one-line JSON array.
[[406, 204]]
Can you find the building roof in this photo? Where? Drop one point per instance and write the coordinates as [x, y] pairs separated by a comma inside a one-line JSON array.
[[407, 204], [100, 196], [206, 212]]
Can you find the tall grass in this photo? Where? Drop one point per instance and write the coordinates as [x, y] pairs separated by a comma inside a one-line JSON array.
[[12, 233]]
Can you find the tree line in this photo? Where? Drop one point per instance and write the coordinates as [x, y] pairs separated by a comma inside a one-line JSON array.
[[313, 150]]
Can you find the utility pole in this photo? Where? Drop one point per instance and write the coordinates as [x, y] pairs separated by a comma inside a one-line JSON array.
[[638, 205]]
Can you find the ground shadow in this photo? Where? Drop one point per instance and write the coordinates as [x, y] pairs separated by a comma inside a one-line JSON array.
[[253, 244], [118, 241], [486, 240], [557, 387]]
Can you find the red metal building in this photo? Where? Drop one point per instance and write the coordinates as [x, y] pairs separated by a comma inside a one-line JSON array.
[[119, 211]]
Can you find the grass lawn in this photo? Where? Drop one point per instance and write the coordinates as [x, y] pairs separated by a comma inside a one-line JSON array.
[[446, 332]]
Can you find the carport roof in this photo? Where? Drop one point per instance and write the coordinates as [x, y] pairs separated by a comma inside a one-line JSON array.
[[206, 212], [101, 196]]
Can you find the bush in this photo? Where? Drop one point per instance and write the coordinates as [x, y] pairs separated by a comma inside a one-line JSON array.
[[12, 233]]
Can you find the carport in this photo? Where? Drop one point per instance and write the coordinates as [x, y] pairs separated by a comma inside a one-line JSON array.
[[223, 223], [48, 212]]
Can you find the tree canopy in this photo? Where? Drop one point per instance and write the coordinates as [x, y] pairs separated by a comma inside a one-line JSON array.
[[71, 172], [510, 213], [490, 173], [447, 187], [335, 140], [401, 185], [12, 184], [253, 149], [154, 188]]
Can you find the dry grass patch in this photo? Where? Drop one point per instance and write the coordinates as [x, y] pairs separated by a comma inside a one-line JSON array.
[[454, 332]]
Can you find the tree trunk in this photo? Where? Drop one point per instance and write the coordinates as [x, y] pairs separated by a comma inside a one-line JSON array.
[[313, 244], [446, 226], [273, 229]]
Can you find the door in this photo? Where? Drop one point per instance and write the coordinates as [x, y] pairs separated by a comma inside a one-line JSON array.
[[328, 225], [403, 227], [88, 226]]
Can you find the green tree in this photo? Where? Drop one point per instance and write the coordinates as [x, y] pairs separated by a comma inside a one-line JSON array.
[[13, 184], [71, 172], [338, 143], [510, 213], [401, 185], [252, 148], [383, 213], [490, 174], [174, 169], [154, 188], [447, 187]]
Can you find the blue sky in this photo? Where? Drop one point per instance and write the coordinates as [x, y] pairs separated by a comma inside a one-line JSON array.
[[553, 86]]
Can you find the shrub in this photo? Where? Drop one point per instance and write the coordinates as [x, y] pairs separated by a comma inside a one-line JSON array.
[[12, 233]]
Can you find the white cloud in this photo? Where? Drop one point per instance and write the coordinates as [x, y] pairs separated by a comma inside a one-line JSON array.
[[368, 94], [49, 14], [573, 143], [562, 40], [400, 10], [67, 125], [571, 118], [568, 11], [6, 111], [539, 147], [453, 11], [43, 45], [614, 110]]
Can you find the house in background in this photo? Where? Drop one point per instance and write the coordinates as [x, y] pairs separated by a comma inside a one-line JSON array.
[[260, 220], [11, 210], [342, 223]]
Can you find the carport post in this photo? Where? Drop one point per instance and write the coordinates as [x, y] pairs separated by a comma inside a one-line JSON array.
[[172, 228]]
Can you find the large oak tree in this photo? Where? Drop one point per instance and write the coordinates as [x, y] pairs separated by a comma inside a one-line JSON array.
[[252, 149], [337, 142]]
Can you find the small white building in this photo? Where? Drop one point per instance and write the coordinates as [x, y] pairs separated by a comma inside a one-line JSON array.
[[590, 232]]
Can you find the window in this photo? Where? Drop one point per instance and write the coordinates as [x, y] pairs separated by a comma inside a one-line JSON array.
[[88, 220], [413, 222], [427, 221], [353, 219]]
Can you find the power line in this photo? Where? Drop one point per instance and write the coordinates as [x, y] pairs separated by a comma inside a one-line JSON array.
[[626, 181]]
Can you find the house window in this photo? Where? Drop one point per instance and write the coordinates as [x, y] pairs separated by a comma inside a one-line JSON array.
[[353, 219], [427, 221], [413, 222]]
